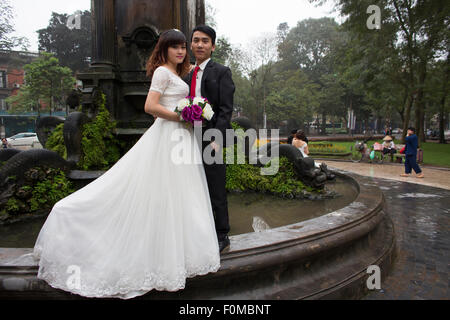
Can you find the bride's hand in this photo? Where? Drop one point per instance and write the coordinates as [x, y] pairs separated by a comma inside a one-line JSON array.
[[177, 117]]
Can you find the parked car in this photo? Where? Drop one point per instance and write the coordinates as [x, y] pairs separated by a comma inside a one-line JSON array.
[[24, 140]]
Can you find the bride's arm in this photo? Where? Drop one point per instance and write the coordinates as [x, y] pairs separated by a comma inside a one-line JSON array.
[[306, 150], [153, 107]]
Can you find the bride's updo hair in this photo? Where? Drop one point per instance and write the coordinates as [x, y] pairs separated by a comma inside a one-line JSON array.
[[300, 135], [159, 56]]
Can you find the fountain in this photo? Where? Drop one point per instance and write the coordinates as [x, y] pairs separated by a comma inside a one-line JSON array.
[[307, 250]]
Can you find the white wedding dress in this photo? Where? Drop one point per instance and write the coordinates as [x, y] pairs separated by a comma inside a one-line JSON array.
[[145, 224]]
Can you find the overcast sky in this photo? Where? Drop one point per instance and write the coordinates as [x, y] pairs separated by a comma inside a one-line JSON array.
[[239, 20]]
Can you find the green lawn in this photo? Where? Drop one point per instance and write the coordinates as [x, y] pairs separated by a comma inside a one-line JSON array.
[[436, 154], [433, 153]]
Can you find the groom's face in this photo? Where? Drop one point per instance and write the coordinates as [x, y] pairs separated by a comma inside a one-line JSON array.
[[202, 46]]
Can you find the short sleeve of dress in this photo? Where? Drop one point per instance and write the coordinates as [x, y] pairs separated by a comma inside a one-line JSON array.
[[160, 80]]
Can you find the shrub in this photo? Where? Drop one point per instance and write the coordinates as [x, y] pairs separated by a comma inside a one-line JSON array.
[[43, 187], [56, 143], [320, 148], [247, 177], [100, 147]]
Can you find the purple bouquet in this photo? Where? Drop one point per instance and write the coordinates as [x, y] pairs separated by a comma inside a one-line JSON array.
[[194, 109]]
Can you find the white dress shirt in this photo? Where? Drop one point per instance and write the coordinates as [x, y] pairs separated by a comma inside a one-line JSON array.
[[198, 88]]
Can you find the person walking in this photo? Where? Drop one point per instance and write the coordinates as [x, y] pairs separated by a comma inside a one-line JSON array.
[[412, 143]]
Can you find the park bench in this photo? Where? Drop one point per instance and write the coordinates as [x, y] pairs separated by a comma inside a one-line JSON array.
[[398, 157]]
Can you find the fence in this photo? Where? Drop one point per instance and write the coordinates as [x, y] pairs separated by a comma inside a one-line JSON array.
[[11, 124]]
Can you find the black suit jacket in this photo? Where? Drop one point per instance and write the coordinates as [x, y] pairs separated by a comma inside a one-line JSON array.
[[217, 86]]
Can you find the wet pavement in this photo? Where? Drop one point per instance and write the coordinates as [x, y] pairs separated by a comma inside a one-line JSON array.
[[435, 177], [421, 216]]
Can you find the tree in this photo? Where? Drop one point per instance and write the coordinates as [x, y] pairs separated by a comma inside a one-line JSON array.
[[310, 46], [292, 96], [421, 32], [424, 27], [210, 13], [256, 62], [8, 42], [46, 81], [282, 32], [71, 47], [372, 76], [23, 101], [223, 51], [436, 94]]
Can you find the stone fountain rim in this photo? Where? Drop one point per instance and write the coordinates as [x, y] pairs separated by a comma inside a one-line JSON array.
[[360, 212], [341, 245], [368, 203]]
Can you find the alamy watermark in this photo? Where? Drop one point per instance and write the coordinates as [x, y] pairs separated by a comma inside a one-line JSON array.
[[374, 280], [374, 20], [183, 152], [74, 280], [74, 21]]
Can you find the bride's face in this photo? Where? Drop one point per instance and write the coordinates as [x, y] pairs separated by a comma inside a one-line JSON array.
[[176, 53]]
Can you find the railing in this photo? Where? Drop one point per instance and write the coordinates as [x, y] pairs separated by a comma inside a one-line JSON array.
[[4, 113], [20, 53]]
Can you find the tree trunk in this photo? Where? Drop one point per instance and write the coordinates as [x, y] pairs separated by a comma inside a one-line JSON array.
[[38, 109], [442, 117], [324, 123], [349, 119], [409, 102], [442, 123], [420, 105]]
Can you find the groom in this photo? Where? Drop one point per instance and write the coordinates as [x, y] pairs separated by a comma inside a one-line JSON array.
[[213, 81]]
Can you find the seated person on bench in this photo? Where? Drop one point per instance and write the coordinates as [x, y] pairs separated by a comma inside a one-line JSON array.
[[389, 146]]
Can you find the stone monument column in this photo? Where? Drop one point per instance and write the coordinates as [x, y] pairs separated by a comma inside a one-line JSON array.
[[124, 34], [103, 34]]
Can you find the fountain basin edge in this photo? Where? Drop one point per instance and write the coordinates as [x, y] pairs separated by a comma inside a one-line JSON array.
[[322, 258]]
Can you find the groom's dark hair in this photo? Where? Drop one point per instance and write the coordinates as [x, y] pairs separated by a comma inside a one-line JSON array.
[[205, 29]]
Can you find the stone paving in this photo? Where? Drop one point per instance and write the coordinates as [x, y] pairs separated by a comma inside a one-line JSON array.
[[435, 177], [421, 216]]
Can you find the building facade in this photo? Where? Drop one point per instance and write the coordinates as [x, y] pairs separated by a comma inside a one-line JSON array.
[[12, 77]]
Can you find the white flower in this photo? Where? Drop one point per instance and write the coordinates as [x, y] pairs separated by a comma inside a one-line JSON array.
[[208, 112], [183, 103], [198, 100]]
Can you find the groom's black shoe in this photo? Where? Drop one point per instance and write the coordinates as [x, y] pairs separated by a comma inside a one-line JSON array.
[[224, 244]]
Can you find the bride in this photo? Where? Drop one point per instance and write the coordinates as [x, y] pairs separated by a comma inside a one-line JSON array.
[[145, 224]]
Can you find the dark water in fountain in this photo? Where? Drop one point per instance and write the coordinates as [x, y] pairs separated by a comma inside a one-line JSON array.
[[249, 212], [254, 212]]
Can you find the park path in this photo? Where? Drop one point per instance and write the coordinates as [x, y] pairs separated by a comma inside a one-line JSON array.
[[420, 211], [434, 177]]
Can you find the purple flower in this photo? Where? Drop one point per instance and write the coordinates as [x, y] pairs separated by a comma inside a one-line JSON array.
[[187, 114], [197, 112]]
